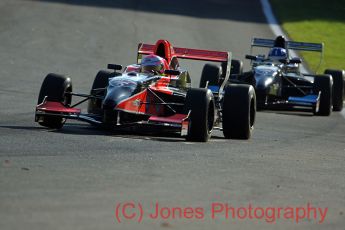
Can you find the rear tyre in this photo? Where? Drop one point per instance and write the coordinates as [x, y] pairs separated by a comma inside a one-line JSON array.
[[211, 74], [239, 111], [54, 88], [324, 84], [201, 104], [101, 81], [236, 67], [338, 88]]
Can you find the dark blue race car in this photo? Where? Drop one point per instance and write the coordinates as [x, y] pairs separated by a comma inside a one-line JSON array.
[[280, 84]]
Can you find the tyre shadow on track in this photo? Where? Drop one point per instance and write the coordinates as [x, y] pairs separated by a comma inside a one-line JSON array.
[[290, 112], [131, 133], [20, 127], [88, 130]]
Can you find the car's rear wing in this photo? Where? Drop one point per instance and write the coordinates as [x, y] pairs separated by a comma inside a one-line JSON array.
[[290, 45], [193, 54], [187, 53], [305, 46]]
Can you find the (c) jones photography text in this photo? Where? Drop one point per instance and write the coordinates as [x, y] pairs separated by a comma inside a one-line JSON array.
[[135, 211]]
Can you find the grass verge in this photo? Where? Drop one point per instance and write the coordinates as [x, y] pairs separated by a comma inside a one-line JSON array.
[[315, 21]]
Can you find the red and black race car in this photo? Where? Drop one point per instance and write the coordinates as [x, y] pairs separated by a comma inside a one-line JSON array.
[[156, 92]]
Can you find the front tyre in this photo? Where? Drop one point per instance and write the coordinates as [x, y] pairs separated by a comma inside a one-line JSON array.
[[211, 74], [55, 87], [324, 84], [101, 81], [236, 66], [200, 103], [338, 88], [239, 111]]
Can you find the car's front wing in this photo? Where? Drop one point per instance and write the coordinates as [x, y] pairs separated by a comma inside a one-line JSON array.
[[309, 101], [177, 122]]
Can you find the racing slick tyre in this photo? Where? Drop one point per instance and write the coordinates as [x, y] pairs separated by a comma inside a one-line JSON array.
[[201, 104], [239, 110], [243, 78], [338, 88], [211, 74], [236, 67], [54, 88], [101, 81], [324, 84]]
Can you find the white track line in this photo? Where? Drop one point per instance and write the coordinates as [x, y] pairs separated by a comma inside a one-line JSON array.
[[277, 30]]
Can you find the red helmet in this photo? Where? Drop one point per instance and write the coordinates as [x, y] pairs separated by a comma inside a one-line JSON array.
[[153, 64]]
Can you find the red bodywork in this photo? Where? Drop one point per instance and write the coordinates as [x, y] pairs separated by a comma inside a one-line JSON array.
[[164, 49], [56, 107], [142, 103]]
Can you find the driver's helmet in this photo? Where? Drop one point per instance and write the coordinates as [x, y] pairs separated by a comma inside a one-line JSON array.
[[153, 64], [277, 53]]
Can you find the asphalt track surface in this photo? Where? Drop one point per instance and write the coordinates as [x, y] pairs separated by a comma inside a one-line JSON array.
[[74, 178]]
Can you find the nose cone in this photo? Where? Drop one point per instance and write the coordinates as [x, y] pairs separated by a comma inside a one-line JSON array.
[[116, 94], [265, 76], [109, 104], [263, 82]]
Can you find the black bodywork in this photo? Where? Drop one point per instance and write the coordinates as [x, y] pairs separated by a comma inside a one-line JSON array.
[[276, 86], [281, 84]]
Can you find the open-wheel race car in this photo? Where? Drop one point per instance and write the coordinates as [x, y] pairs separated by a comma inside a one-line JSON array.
[[280, 84], [156, 92]]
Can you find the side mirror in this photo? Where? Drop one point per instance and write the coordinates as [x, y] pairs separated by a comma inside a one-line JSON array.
[[296, 60], [250, 57], [171, 72], [115, 67]]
